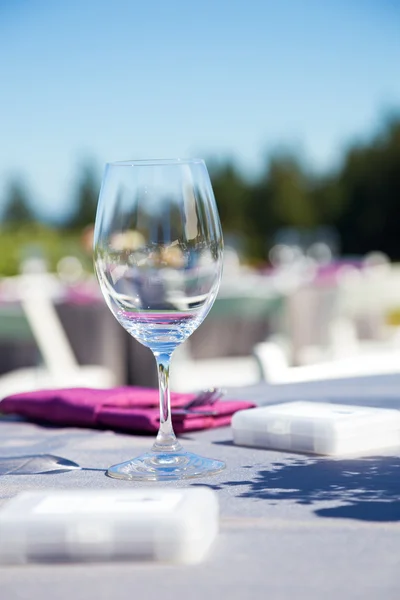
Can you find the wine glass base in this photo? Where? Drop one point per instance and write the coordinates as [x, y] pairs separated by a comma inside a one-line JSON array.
[[166, 466]]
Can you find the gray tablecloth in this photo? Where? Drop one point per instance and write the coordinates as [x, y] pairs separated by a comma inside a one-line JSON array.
[[292, 526]]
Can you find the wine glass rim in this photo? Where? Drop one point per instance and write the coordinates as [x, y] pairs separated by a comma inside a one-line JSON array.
[[149, 162]]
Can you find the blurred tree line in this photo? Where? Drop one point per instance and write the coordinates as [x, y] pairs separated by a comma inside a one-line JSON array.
[[24, 235], [359, 200]]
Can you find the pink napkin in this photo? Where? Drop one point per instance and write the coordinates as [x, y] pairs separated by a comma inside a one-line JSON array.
[[132, 409]]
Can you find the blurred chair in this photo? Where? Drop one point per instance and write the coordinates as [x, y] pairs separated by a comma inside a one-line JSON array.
[[274, 367], [190, 375], [367, 297], [219, 353], [60, 367], [311, 312], [352, 312]]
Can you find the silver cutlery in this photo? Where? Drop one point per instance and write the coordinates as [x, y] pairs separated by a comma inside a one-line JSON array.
[[204, 398]]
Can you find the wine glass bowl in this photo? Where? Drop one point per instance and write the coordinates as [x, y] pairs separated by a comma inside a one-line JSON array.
[[158, 250]]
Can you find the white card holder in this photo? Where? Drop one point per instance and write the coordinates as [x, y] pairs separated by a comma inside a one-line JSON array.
[[318, 428], [155, 524]]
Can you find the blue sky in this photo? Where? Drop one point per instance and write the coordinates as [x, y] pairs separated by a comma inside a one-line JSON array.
[[109, 80]]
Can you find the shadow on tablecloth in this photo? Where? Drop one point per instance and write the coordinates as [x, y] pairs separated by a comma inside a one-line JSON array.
[[366, 489]]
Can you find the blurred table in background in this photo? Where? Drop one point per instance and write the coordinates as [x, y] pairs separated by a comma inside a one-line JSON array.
[[234, 325], [314, 316]]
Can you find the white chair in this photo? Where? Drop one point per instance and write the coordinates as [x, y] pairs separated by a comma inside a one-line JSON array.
[[275, 369], [60, 367], [190, 375]]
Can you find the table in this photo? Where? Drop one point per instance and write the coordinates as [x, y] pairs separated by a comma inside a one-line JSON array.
[[292, 526], [235, 324]]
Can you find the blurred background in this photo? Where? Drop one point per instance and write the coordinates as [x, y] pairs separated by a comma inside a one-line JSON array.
[[296, 108]]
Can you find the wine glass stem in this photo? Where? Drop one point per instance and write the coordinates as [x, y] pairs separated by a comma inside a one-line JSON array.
[[166, 440]]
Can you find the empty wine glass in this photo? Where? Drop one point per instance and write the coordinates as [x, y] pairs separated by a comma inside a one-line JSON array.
[[158, 255]]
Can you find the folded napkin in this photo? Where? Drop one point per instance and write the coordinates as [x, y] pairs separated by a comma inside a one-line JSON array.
[[132, 409]]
